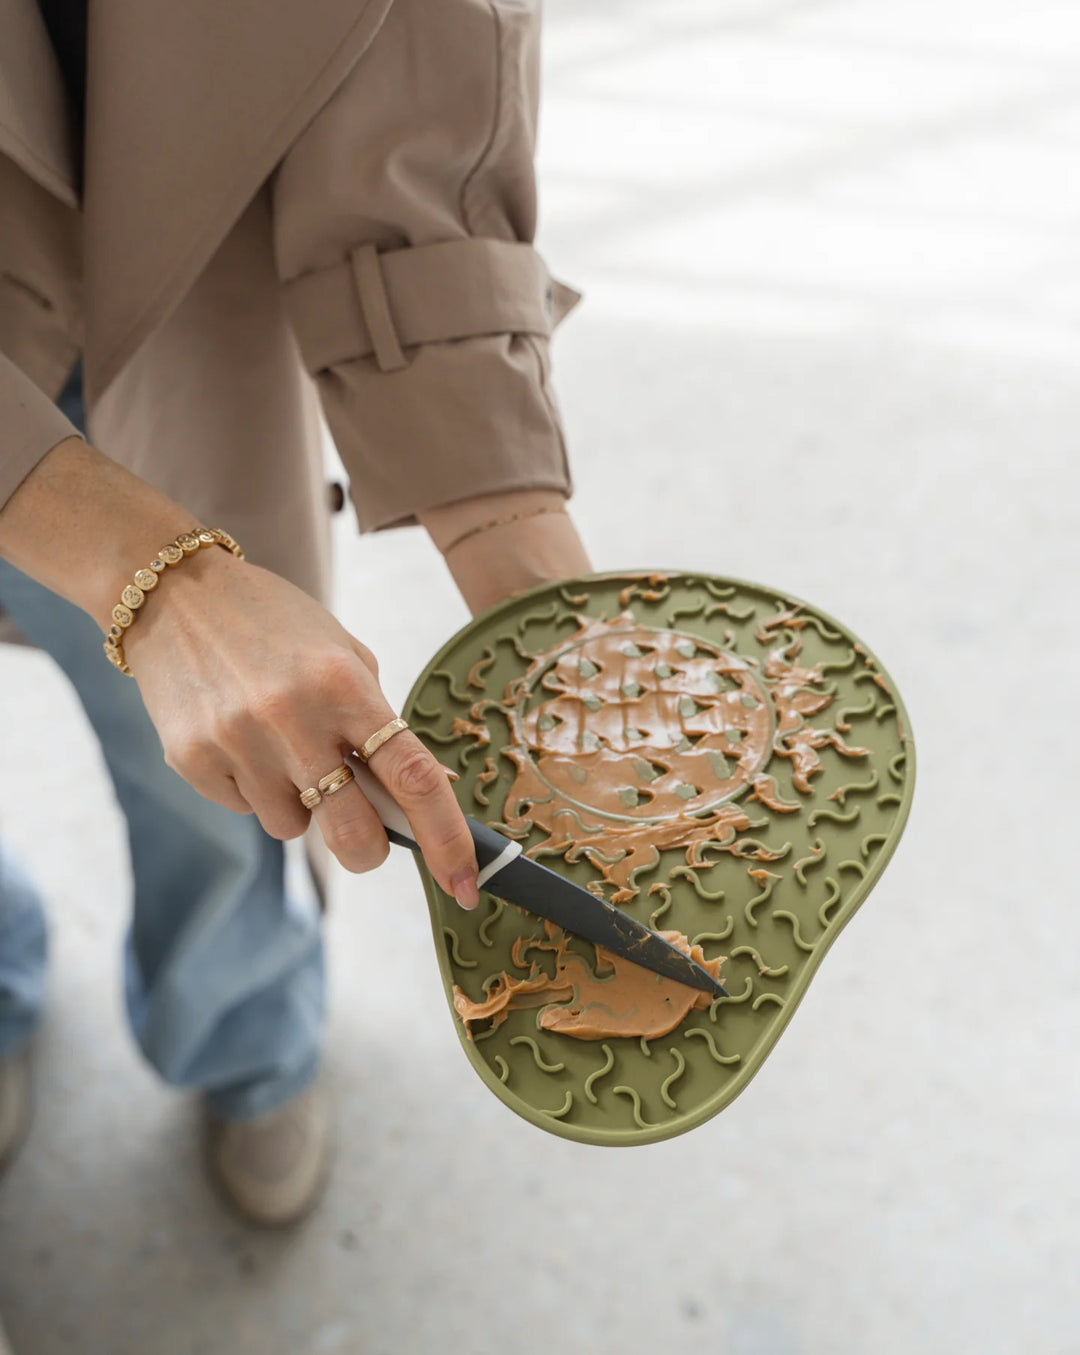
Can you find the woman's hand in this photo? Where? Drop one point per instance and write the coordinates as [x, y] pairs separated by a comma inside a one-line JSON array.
[[257, 692]]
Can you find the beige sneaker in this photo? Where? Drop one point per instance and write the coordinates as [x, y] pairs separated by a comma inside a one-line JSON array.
[[14, 1106], [273, 1167]]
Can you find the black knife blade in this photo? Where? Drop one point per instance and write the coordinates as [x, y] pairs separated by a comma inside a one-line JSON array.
[[506, 872]]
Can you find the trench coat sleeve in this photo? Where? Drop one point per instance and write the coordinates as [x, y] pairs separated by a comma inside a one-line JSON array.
[[404, 220], [30, 427], [40, 321]]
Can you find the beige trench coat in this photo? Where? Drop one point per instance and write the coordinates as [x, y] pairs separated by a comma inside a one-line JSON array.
[[329, 202]]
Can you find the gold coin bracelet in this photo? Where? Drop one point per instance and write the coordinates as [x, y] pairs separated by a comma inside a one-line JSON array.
[[146, 580]]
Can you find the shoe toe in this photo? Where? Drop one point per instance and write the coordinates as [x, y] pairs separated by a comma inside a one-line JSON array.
[[272, 1167], [14, 1105]]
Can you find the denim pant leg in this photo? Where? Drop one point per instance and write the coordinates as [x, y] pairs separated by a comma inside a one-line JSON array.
[[224, 973], [23, 948]]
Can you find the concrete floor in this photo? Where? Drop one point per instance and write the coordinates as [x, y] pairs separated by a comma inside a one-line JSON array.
[[831, 253]]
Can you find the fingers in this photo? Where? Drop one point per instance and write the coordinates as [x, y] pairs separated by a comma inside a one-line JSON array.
[[204, 769], [275, 802], [280, 722], [366, 657], [350, 827], [234, 800], [224, 791], [418, 782]]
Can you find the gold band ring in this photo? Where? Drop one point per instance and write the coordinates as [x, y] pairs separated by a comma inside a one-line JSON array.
[[330, 784], [333, 782], [380, 737]]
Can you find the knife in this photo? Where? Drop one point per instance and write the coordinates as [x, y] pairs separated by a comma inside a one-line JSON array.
[[506, 872]]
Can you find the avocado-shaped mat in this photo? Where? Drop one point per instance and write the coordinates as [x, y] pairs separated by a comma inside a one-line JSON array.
[[720, 760]]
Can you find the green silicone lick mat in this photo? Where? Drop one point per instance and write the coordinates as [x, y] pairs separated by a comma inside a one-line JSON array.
[[748, 728]]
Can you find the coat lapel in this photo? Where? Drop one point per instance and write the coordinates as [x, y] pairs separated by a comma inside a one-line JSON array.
[[190, 107], [34, 127]]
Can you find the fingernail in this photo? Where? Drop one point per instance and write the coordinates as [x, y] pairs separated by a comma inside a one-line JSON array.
[[453, 776], [466, 891]]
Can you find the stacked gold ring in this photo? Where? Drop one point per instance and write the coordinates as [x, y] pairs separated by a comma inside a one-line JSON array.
[[333, 782], [330, 784], [341, 776]]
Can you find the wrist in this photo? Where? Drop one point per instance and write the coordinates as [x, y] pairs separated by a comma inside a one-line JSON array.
[[495, 546], [170, 594], [81, 525], [451, 523], [129, 549]]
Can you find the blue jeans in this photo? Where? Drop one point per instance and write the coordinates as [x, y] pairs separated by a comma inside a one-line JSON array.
[[223, 961]]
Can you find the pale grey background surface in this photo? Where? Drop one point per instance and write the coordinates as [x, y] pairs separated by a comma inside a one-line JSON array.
[[830, 343]]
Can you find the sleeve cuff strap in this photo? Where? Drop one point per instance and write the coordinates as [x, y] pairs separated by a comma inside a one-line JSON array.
[[379, 304]]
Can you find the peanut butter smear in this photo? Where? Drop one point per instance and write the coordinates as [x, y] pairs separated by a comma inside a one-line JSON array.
[[620, 998], [646, 737], [644, 740], [629, 741]]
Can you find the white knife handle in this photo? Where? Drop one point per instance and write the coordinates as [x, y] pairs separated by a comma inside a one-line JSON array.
[[493, 851], [390, 813]]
